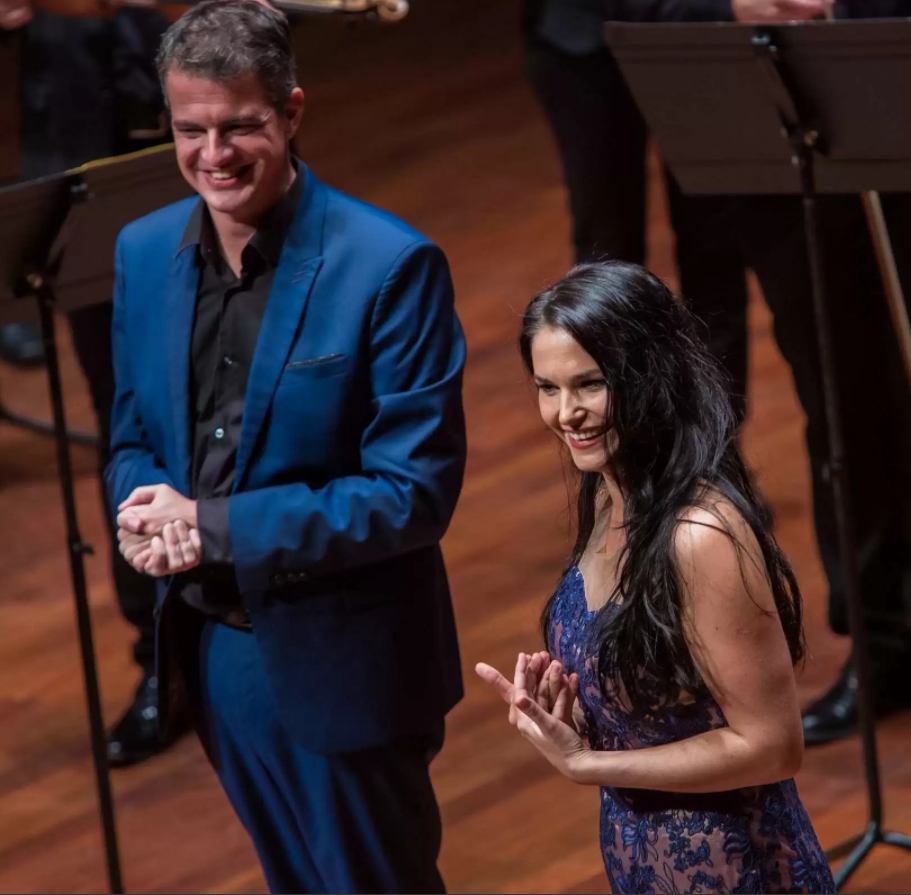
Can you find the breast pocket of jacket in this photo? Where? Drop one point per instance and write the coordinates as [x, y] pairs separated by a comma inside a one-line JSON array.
[[327, 366], [317, 393]]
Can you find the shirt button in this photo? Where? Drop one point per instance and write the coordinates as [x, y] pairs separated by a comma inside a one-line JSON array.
[[219, 433], [226, 361]]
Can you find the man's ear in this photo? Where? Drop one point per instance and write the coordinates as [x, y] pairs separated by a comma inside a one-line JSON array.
[[294, 111]]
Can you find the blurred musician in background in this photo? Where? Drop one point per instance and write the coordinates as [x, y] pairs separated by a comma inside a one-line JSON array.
[[876, 410], [601, 137], [89, 90]]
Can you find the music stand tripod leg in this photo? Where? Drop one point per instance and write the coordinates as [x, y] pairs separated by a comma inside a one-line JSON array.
[[40, 427], [77, 549]]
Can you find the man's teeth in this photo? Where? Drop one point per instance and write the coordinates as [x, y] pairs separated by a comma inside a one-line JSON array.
[[221, 175]]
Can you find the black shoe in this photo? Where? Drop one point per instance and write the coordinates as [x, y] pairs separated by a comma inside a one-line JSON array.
[[20, 345], [135, 736], [834, 715]]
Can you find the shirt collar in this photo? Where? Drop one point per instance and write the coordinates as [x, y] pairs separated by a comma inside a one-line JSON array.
[[269, 237]]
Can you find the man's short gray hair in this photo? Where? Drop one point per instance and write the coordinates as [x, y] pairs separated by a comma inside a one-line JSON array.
[[223, 40]]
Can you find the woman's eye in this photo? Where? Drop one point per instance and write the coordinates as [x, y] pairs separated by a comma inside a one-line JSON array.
[[547, 389], [594, 385]]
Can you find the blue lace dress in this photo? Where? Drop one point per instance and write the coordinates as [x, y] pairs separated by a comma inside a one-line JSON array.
[[750, 840]]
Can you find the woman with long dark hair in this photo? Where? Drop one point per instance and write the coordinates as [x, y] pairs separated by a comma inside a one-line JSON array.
[[671, 640]]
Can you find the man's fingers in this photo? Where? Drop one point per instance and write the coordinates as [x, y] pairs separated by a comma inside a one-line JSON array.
[[141, 495], [158, 560], [130, 521], [176, 548], [801, 10], [141, 559], [128, 538], [779, 10], [131, 551], [131, 544], [172, 546], [802, 7], [136, 521], [16, 17], [188, 552]]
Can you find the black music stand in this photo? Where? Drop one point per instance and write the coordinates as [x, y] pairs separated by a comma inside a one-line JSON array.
[[111, 193], [31, 217], [57, 239], [794, 109]]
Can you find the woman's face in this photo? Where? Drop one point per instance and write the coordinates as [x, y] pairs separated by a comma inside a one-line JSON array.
[[572, 396]]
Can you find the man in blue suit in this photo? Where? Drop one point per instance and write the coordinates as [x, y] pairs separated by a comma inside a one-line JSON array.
[[288, 449]]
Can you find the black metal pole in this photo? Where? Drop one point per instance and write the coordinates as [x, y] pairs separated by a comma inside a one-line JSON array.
[[77, 549]]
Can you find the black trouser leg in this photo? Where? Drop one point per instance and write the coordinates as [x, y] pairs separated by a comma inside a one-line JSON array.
[[713, 281], [601, 139], [91, 329], [774, 244]]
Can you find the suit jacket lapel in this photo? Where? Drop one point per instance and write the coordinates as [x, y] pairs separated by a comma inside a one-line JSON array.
[[297, 269], [181, 306]]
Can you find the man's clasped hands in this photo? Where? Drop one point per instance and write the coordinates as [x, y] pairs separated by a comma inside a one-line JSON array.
[[158, 532]]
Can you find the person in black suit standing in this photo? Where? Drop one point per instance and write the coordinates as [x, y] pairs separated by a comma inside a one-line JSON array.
[[601, 138], [89, 90]]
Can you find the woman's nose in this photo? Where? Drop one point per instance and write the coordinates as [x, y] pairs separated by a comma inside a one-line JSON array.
[[570, 410]]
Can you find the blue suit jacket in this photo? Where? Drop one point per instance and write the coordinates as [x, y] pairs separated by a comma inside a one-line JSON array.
[[349, 464]]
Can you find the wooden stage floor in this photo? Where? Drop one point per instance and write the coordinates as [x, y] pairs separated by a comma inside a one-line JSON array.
[[432, 120]]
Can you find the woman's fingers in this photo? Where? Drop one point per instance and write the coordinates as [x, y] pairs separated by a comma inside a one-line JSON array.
[[491, 676]]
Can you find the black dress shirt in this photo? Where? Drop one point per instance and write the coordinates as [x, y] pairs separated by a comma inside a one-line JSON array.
[[229, 314]]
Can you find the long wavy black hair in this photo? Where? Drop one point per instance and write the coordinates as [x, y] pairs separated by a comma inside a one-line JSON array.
[[674, 447]]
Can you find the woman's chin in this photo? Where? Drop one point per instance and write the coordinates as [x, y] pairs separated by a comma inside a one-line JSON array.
[[588, 463]]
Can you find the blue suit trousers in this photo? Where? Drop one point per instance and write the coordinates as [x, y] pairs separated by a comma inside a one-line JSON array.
[[364, 821]]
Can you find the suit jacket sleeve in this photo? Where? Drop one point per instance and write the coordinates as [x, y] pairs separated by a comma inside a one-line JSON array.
[[412, 449], [133, 462], [668, 10]]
